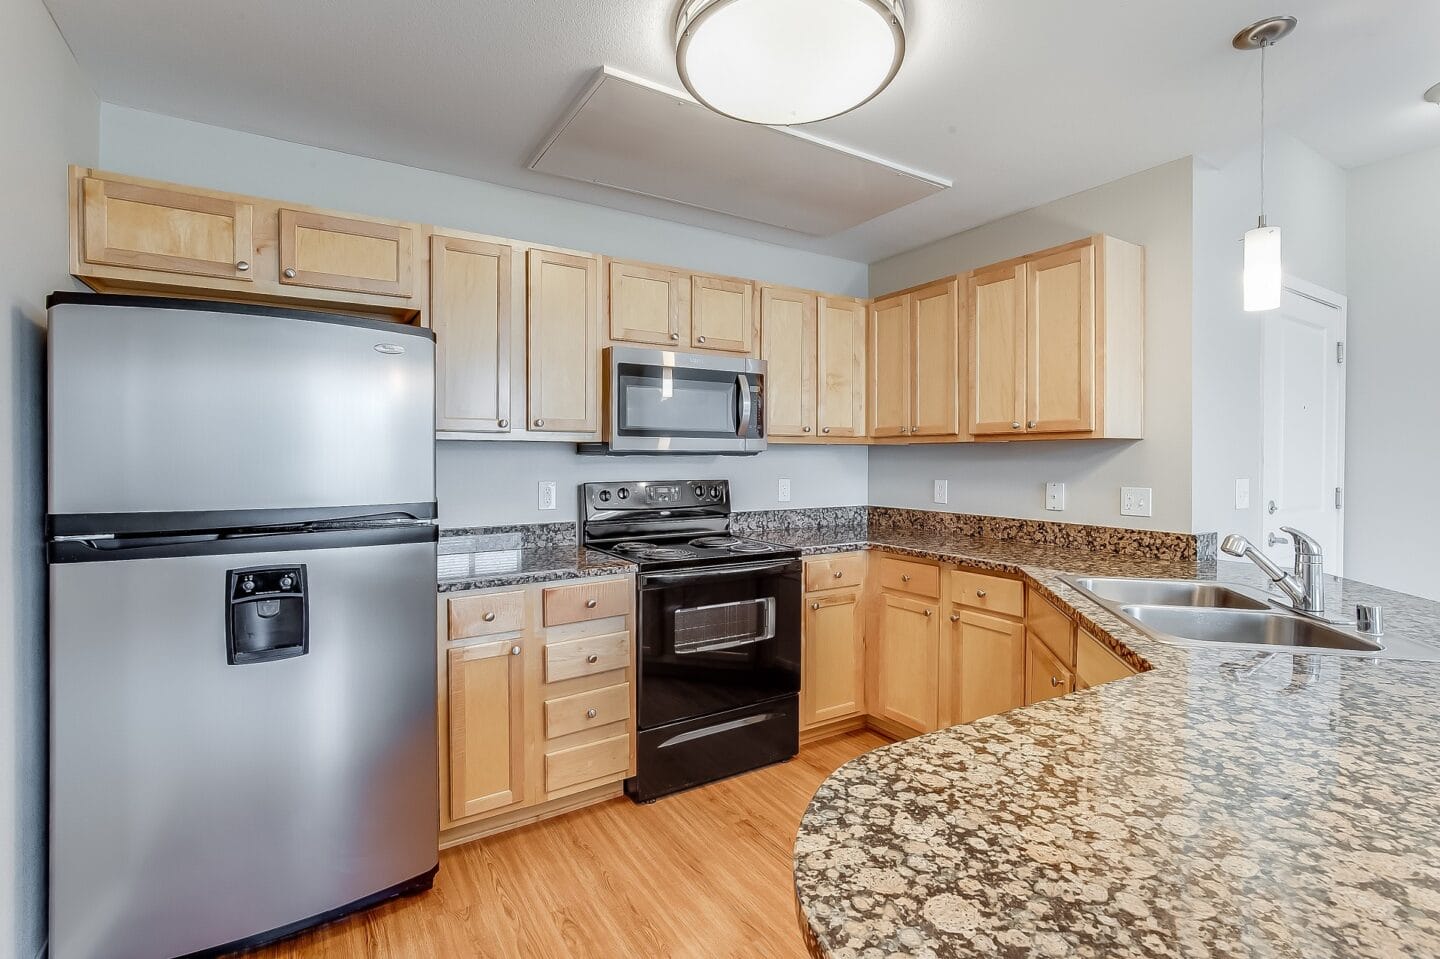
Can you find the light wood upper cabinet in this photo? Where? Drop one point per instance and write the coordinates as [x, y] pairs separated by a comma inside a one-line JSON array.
[[346, 253], [889, 376], [486, 705], [787, 344], [935, 364], [840, 368], [833, 665], [1057, 343], [648, 304], [906, 645], [722, 314], [563, 345], [169, 231], [987, 665], [472, 312]]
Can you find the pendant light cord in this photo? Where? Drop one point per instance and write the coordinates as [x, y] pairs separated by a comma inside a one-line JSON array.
[[1263, 45]]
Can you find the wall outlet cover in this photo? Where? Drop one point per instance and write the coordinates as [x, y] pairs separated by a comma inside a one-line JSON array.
[[546, 499], [782, 490], [942, 491], [1055, 496], [1135, 501], [1242, 494]]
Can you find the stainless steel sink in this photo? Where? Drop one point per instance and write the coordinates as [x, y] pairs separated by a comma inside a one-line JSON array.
[[1246, 627], [1168, 592]]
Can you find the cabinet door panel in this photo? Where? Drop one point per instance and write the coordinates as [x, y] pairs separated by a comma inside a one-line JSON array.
[[934, 326], [722, 314], [345, 253], [989, 662], [153, 229], [997, 351], [645, 304], [486, 721], [1060, 342], [472, 314], [563, 349], [889, 389], [907, 657], [1045, 677], [833, 672], [840, 368], [787, 344]]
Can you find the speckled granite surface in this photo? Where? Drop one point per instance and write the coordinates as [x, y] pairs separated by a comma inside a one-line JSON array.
[[482, 559], [1224, 803]]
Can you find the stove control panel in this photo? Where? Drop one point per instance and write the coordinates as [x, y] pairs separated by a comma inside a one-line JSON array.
[[656, 494]]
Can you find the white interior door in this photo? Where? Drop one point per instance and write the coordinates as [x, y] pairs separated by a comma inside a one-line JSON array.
[[1304, 443]]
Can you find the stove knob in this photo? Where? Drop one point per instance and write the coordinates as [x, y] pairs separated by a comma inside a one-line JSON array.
[[715, 492], [604, 496], [623, 493], [699, 491]]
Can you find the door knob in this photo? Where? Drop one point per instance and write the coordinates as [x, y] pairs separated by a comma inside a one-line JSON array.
[[700, 339], [503, 424], [1054, 680], [825, 430], [674, 336], [954, 617], [1015, 425], [1271, 508], [806, 429], [814, 605], [290, 273], [514, 650], [1031, 424], [539, 423], [929, 612], [242, 266]]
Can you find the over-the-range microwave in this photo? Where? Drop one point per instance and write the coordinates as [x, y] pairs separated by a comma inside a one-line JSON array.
[[663, 401]]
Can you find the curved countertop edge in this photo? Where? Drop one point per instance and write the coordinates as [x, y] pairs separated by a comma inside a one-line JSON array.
[[1158, 664]]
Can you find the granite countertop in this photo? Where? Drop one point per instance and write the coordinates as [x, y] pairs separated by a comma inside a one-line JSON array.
[[482, 562], [1224, 803]]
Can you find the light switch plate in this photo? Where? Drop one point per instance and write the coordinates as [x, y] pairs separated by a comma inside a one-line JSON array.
[[1135, 501], [782, 491], [547, 494], [1242, 494], [1055, 496], [942, 491]]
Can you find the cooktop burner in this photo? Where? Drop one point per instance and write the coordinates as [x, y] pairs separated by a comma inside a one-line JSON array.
[[666, 552], [714, 542]]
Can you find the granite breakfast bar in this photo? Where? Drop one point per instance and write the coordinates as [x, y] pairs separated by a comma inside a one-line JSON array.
[[1224, 802]]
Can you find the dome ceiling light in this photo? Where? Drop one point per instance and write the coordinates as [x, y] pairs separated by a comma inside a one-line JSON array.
[[783, 62]]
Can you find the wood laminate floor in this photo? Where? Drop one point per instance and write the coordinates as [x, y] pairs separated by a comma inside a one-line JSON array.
[[702, 874]]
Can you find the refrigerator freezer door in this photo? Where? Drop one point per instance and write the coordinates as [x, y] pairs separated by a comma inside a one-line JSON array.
[[196, 803], [187, 407]]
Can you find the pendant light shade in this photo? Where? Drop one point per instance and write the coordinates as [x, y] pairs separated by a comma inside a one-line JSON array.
[[782, 62], [1264, 277]]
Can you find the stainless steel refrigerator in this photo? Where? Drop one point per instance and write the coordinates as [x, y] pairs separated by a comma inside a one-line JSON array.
[[242, 622]]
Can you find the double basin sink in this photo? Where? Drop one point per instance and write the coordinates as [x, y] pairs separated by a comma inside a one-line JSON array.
[[1198, 612]]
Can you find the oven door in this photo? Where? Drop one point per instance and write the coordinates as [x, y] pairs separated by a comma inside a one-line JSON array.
[[717, 638], [662, 401]]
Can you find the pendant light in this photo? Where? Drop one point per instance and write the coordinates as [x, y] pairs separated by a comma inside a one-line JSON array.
[[782, 62], [1264, 276]]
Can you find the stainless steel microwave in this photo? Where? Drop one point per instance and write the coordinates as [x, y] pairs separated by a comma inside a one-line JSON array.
[[662, 401]]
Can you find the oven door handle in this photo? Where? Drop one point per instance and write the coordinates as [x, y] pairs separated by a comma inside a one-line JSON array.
[[712, 572], [745, 405]]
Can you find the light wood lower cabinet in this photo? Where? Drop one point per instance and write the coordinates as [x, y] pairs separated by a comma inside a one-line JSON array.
[[986, 669], [1045, 676], [833, 664], [906, 647], [486, 724]]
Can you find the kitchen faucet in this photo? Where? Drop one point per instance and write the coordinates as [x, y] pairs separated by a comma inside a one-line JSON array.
[[1305, 586]]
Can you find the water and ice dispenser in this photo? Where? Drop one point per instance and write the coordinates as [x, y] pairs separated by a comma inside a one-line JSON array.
[[268, 614]]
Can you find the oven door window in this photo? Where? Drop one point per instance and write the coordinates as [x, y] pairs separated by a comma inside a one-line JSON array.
[[661, 401], [718, 641]]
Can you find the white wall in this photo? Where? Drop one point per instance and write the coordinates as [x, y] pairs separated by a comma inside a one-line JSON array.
[[1152, 208], [51, 119], [1305, 197], [1393, 389], [489, 484]]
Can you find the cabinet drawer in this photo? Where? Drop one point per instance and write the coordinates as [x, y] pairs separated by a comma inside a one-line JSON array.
[[587, 656], [1053, 627], [487, 614], [586, 601], [993, 593], [606, 759], [834, 572], [1045, 676], [909, 577], [1095, 664], [570, 714]]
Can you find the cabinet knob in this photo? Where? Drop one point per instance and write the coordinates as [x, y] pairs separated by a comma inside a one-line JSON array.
[[290, 273], [539, 423], [954, 617], [1015, 425], [904, 577], [981, 593], [514, 650], [489, 617], [929, 612], [825, 430], [592, 659], [700, 339], [503, 424], [806, 429], [1031, 424], [839, 574], [674, 336], [814, 605], [591, 713], [242, 266], [1054, 680], [591, 603]]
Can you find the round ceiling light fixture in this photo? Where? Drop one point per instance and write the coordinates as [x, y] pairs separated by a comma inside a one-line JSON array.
[[783, 62], [1433, 94]]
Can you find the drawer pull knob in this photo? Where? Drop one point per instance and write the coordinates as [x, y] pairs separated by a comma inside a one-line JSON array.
[[904, 577], [242, 266], [592, 659], [805, 429], [489, 617], [825, 430], [981, 593], [1054, 680], [814, 605], [539, 423], [701, 339], [591, 603], [954, 617], [929, 612], [503, 424], [839, 573], [591, 713], [674, 336], [1015, 425], [514, 650], [290, 273], [1031, 424]]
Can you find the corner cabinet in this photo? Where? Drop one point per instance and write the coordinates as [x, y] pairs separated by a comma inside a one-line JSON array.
[[914, 384], [563, 323], [1057, 344]]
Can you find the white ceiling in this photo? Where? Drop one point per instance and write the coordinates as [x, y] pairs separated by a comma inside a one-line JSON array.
[[1017, 101]]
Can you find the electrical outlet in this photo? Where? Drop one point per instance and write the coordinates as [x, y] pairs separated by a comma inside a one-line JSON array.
[[1135, 501], [1242, 494], [782, 491], [547, 494], [1055, 496], [942, 491]]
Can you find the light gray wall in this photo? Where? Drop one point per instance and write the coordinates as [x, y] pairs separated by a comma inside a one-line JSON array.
[[1305, 197], [486, 484], [1152, 208], [51, 120], [1393, 391]]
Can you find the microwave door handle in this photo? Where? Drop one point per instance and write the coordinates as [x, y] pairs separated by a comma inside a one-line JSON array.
[[745, 405]]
